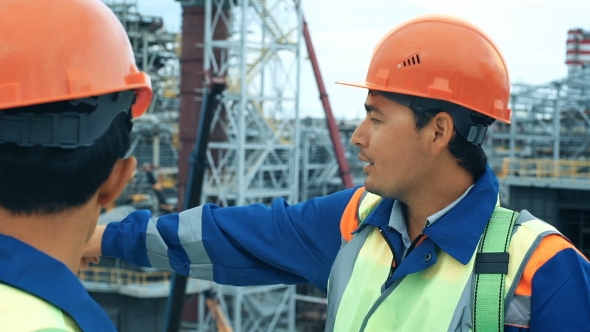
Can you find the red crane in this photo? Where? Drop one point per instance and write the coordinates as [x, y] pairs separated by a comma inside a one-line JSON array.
[[332, 127]]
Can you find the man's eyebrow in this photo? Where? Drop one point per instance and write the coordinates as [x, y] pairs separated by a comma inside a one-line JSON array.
[[371, 108]]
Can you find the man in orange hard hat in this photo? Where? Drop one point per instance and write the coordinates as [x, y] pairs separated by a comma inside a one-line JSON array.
[[424, 245], [68, 90]]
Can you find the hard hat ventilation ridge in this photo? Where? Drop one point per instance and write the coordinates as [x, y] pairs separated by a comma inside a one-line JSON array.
[[411, 61]]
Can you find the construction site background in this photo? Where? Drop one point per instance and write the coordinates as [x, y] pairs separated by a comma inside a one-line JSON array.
[[261, 149]]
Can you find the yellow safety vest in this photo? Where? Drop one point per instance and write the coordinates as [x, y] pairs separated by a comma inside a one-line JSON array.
[[439, 298], [23, 312]]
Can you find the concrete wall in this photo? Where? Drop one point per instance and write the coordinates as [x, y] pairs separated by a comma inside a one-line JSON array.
[[541, 202]]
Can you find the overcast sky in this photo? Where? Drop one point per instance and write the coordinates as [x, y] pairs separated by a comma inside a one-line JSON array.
[[531, 34]]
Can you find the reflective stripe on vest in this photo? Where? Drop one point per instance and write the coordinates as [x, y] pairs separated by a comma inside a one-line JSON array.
[[437, 299]]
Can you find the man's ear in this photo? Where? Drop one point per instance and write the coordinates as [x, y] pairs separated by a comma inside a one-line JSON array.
[[443, 130], [120, 175]]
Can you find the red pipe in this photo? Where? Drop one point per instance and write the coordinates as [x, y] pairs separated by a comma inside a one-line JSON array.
[[332, 127]]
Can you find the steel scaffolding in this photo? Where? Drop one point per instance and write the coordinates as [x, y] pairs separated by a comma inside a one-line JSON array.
[[319, 167], [548, 142], [257, 159], [156, 52], [259, 112], [548, 122]]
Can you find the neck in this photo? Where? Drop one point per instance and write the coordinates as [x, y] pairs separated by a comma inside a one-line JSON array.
[[60, 235], [438, 191]]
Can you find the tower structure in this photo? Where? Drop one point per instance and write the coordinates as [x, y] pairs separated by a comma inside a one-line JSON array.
[[257, 160], [253, 151], [578, 54]]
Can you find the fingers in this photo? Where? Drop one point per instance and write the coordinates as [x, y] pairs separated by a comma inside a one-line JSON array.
[[85, 261], [93, 260]]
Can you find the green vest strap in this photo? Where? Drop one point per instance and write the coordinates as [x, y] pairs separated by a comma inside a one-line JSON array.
[[491, 267]]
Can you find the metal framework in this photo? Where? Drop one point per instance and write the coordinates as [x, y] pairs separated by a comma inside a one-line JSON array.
[[264, 308], [548, 122], [543, 157], [259, 114], [257, 159], [548, 142], [156, 53], [319, 167]]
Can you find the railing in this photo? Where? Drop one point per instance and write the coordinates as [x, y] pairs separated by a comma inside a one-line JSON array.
[[546, 168], [122, 277]]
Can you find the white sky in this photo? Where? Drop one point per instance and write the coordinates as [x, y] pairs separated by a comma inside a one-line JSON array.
[[531, 34]]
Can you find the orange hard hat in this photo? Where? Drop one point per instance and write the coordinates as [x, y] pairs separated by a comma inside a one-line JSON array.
[[442, 58], [56, 50]]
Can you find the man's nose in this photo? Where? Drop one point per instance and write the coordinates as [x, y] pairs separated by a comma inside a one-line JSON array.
[[359, 137]]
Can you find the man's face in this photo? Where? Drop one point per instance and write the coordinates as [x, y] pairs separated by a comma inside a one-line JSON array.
[[393, 148]]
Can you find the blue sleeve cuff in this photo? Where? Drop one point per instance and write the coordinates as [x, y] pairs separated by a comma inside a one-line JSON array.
[[112, 242], [125, 240]]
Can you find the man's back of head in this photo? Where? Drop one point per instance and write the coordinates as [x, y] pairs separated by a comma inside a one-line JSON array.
[[68, 91], [66, 95]]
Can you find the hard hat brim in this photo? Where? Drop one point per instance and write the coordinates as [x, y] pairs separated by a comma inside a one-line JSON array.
[[356, 84], [143, 91], [376, 87]]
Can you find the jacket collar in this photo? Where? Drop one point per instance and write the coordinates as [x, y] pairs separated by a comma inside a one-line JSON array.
[[458, 231], [32, 271]]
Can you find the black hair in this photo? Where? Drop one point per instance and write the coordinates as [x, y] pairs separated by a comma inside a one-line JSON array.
[[44, 180], [471, 157]]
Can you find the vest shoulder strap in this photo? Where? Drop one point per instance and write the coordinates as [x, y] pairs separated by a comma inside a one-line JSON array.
[[491, 267]]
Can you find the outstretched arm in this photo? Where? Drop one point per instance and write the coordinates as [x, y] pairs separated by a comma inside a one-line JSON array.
[[249, 245]]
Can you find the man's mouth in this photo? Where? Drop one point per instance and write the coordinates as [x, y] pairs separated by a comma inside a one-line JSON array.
[[361, 157]]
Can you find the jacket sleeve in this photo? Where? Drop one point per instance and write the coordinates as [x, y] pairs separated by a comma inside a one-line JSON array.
[[560, 299], [247, 245]]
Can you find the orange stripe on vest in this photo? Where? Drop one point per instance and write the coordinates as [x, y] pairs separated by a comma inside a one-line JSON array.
[[547, 249], [349, 222]]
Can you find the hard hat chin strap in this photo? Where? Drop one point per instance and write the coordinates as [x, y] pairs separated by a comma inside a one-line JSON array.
[[469, 124], [65, 130]]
